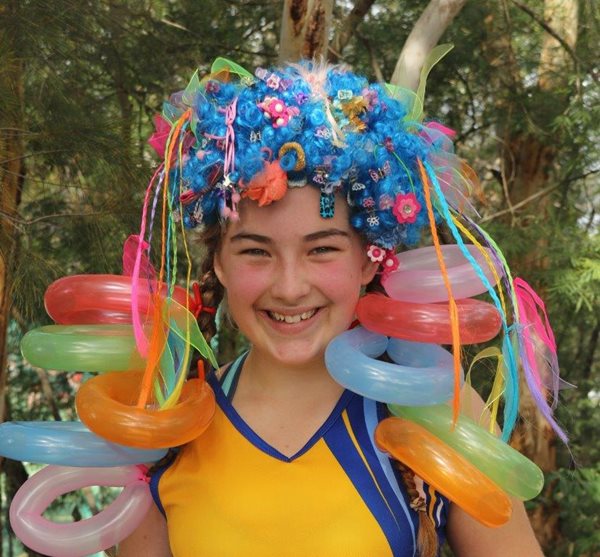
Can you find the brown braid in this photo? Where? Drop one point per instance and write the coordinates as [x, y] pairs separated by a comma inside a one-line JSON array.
[[211, 289], [427, 540]]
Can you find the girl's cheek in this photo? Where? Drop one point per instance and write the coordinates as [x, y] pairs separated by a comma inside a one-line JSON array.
[[249, 280], [338, 272]]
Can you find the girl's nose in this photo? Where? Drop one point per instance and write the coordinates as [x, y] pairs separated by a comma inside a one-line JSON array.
[[291, 283]]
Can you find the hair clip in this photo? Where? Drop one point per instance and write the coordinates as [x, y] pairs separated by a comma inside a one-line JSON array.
[[344, 94], [277, 111], [406, 208], [375, 253], [385, 202], [323, 132], [380, 173], [300, 157]]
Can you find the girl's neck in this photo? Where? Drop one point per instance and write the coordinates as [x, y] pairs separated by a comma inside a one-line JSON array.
[[263, 374]]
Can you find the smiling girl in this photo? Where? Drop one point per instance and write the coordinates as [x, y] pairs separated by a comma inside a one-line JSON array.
[[306, 181]]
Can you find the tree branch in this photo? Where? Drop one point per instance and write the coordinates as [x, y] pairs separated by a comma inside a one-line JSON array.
[[372, 57], [348, 27], [546, 27], [520, 204], [26, 222], [425, 34]]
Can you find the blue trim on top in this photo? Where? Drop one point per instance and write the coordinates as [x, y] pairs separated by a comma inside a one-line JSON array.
[[396, 499], [341, 445], [374, 413], [231, 376], [441, 507], [155, 478], [239, 423]]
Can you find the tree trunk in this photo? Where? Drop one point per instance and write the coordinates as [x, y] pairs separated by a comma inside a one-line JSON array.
[[425, 34], [12, 172], [305, 28], [530, 164]]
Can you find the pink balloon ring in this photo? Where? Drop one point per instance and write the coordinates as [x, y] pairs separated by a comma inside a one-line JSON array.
[[85, 537], [97, 299], [478, 321], [419, 279]]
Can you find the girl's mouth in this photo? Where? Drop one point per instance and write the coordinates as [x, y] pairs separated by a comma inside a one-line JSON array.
[[291, 319]]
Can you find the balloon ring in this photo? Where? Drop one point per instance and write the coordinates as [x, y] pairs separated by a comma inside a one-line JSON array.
[[105, 405], [478, 321], [444, 469], [505, 466], [94, 299], [82, 348], [423, 374], [419, 278], [45, 442], [84, 537]]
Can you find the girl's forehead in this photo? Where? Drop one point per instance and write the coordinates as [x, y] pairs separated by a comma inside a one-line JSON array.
[[297, 214]]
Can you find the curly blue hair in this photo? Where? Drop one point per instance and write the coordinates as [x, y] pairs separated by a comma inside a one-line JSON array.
[[308, 124]]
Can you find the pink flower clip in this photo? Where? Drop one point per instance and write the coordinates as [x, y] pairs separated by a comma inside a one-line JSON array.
[[376, 254], [406, 208], [390, 262]]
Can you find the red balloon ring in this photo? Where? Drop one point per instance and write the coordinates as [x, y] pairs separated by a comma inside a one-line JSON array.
[[478, 321], [93, 299]]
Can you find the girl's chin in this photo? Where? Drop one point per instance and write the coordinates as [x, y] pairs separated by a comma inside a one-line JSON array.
[[293, 354]]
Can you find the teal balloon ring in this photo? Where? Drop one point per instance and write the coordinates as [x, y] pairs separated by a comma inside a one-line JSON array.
[[422, 374], [67, 444], [82, 348], [506, 467]]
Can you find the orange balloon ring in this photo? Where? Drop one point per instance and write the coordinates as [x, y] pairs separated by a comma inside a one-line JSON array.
[[444, 469], [106, 405]]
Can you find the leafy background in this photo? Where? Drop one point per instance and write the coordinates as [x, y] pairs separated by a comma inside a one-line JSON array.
[[80, 81]]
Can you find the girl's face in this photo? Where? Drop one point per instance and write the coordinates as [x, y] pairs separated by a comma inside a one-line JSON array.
[[292, 278]]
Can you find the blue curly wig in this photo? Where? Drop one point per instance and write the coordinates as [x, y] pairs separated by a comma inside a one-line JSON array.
[[234, 135]]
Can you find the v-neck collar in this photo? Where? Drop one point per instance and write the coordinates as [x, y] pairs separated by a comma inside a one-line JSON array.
[[239, 423]]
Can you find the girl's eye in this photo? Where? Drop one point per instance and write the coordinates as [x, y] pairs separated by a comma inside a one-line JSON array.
[[256, 252], [324, 249]]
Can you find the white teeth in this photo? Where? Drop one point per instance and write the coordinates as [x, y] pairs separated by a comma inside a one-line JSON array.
[[292, 318]]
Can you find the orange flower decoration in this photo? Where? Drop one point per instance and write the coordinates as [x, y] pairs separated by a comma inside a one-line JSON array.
[[268, 186]]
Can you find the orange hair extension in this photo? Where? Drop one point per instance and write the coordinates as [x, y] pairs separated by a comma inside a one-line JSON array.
[[451, 302], [158, 337]]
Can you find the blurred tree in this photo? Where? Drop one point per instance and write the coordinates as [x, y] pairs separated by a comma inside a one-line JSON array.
[[79, 83]]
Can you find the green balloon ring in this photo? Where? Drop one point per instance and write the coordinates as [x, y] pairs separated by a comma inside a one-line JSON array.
[[82, 348], [505, 466]]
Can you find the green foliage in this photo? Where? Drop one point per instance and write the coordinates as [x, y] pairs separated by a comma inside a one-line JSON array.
[[94, 73], [577, 494]]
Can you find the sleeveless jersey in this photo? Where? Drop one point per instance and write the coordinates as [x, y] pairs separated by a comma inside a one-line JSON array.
[[228, 493]]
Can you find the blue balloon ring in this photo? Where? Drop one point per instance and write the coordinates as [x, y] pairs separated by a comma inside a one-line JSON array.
[[67, 444], [423, 373]]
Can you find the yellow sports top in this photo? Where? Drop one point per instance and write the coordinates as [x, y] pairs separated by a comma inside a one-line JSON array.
[[230, 494]]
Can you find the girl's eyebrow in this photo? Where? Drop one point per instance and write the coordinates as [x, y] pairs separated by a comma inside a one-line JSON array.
[[254, 237], [326, 234], [319, 235]]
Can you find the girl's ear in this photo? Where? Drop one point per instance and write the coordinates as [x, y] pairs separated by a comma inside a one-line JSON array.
[[369, 269], [218, 267]]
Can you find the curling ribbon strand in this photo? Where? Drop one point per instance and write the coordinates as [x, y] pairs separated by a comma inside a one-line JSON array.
[[451, 302]]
